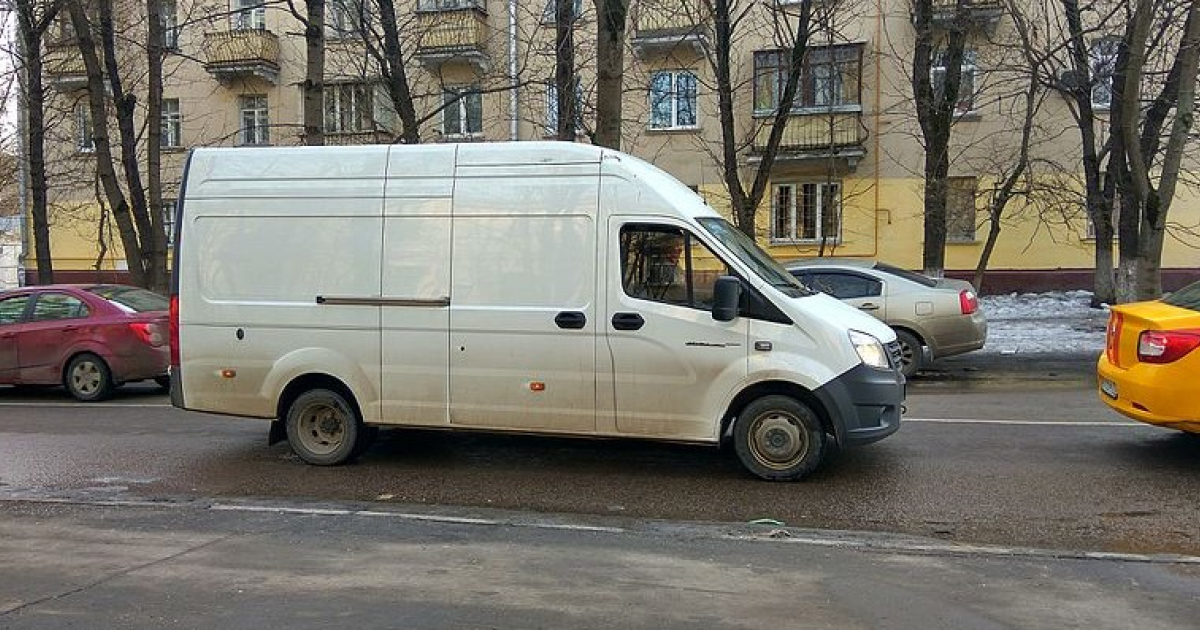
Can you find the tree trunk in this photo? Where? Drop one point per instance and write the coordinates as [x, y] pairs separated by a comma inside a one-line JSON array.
[[157, 270], [610, 68], [391, 65], [31, 31], [564, 69], [314, 72]]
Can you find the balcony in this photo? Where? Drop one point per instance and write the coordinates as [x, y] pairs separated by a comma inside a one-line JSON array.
[[839, 134], [981, 12], [453, 35], [354, 138], [242, 53], [63, 67], [660, 27]]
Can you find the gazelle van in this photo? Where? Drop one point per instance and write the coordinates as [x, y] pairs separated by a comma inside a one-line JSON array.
[[534, 287]]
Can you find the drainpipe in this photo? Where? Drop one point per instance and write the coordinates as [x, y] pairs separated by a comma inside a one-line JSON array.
[[514, 82]]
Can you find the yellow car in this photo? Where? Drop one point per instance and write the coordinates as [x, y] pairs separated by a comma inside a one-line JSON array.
[[1150, 369]]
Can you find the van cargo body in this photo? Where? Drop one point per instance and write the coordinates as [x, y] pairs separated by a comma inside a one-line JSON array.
[[537, 287]]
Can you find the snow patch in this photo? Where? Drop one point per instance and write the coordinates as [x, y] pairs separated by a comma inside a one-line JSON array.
[[1042, 323]]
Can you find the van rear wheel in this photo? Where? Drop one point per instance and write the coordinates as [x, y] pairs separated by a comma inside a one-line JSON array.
[[779, 438], [323, 428]]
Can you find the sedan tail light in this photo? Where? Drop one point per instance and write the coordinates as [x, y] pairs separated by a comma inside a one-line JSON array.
[[968, 302], [1166, 346], [1112, 341], [151, 333]]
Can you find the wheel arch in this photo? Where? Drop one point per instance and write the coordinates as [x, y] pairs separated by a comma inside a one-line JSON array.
[[783, 388], [308, 382]]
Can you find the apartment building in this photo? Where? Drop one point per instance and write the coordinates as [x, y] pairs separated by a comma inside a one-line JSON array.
[[847, 181]]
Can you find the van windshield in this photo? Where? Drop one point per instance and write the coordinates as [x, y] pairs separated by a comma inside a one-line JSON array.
[[754, 257]]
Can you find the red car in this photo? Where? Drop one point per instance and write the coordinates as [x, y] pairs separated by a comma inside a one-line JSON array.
[[88, 338]]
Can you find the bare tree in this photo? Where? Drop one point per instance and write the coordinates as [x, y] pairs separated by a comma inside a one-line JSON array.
[[566, 81], [33, 21], [1153, 169], [727, 15], [944, 42], [140, 229]]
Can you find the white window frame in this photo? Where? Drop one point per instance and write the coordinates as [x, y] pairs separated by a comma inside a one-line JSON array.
[[459, 110], [360, 107], [793, 234], [255, 110], [343, 18], [169, 12], [968, 84], [548, 14], [168, 219], [85, 138], [831, 68], [172, 124], [675, 96], [449, 5], [249, 15]]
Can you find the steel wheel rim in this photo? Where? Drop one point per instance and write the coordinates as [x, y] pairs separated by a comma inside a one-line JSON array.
[[86, 377], [322, 428], [908, 354], [778, 440]]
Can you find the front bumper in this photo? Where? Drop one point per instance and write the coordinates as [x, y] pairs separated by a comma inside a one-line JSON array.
[[864, 404]]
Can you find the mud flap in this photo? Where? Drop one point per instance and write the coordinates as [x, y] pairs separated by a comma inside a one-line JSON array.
[[278, 433]]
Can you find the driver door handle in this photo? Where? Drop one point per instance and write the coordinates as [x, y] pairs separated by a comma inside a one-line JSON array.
[[868, 306], [627, 321]]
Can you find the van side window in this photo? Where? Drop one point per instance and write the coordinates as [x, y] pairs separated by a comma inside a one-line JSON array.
[[668, 265]]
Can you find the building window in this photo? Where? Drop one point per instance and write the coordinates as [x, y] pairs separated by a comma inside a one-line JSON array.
[[343, 18], [172, 124], [349, 107], [449, 5], [249, 14], [548, 14], [829, 77], [167, 211], [462, 114], [169, 11], [966, 85], [1104, 65], [673, 100], [806, 212], [552, 107], [255, 121], [85, 140], [960, 209]]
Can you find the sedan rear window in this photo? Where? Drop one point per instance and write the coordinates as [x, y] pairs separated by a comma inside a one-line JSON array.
[[906, 274], [132, 298], [1188, 297]]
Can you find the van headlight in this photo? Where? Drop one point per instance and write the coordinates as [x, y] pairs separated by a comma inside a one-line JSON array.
[[869, 350]]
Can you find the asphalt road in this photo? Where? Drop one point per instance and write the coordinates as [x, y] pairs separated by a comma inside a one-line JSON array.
[[1017, 453]]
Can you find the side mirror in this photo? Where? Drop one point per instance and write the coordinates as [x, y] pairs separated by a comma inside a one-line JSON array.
[[727, 298]]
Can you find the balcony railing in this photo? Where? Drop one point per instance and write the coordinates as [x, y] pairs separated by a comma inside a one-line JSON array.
[[351, 138], [818, 135], [660, 26], [986, 12], [241, 53], [63, 67], [453, 35]]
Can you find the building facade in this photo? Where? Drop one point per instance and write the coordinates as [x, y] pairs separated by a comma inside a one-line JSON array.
[[847, 181]]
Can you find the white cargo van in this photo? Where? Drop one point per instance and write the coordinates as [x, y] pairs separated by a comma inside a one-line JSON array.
[[535, 287]]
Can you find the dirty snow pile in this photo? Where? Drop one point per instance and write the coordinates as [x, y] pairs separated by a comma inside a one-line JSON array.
[[1054, 322]]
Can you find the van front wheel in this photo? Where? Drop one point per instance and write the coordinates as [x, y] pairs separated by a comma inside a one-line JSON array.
[[323, 428], [779, 438]]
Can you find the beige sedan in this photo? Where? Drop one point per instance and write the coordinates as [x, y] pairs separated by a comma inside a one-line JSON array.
[[933, 318]]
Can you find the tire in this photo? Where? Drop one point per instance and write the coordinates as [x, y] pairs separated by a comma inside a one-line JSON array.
[[911, 354], [163, 382], [779, 438], [88, 378], [323, 428]]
